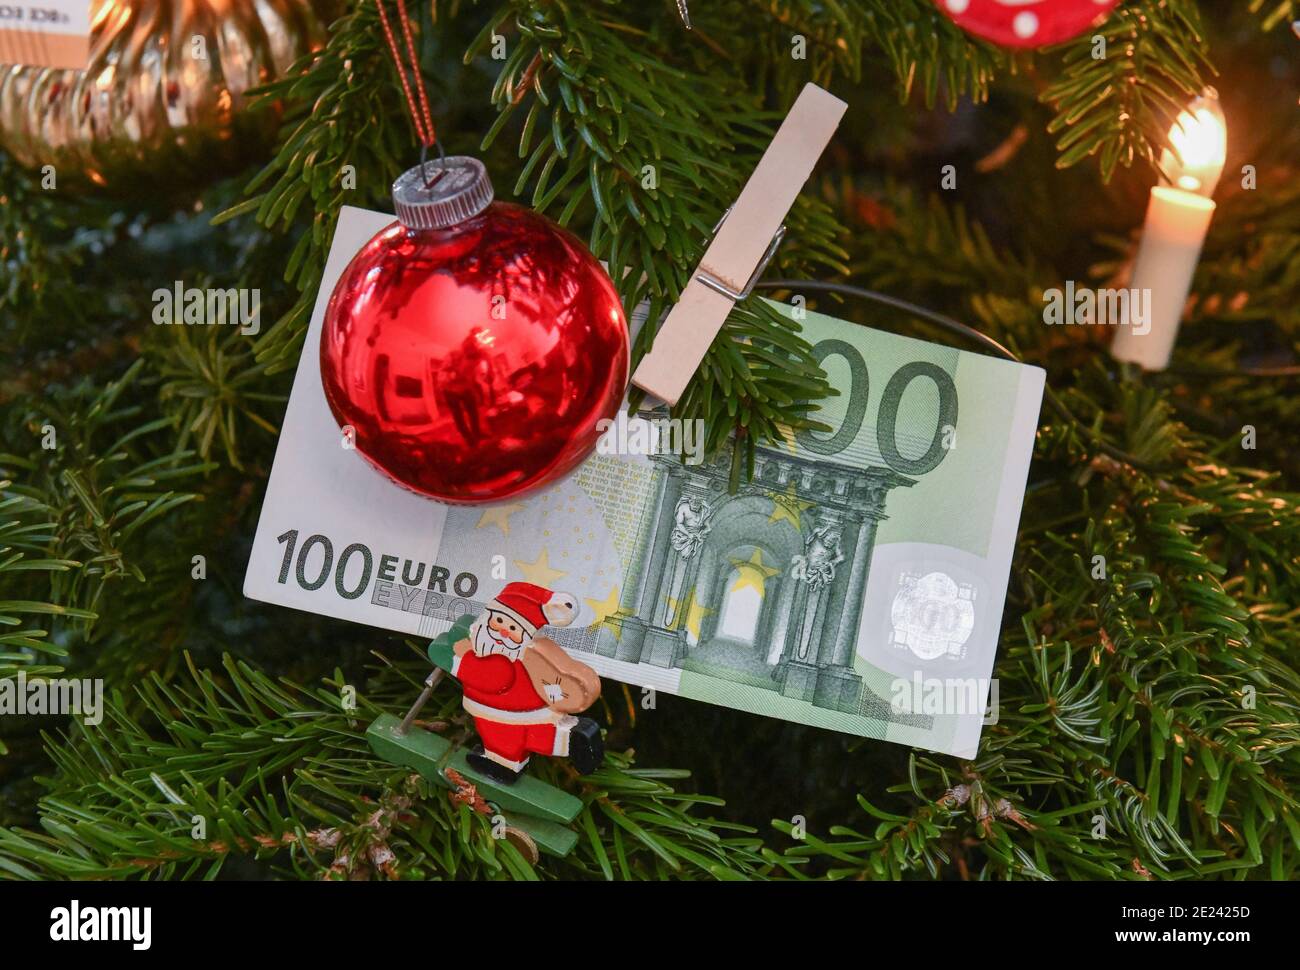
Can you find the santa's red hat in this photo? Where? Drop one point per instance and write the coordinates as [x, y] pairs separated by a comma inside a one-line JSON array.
[[533, 607]]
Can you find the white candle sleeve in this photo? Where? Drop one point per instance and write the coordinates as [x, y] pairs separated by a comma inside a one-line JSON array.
[[1177, 222]]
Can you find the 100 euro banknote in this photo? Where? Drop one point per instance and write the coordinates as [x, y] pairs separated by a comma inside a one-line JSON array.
[[855, 583]]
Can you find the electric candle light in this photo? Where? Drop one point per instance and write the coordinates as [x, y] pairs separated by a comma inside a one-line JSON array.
[[1178, 218]]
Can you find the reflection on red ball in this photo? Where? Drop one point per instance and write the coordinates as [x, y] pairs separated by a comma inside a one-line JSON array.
[[474, 363], [1026, 23]]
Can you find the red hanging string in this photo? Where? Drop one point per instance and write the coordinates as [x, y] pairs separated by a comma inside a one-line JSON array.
[[421, 117]]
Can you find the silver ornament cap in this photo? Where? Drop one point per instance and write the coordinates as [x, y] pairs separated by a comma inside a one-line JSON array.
[[442, 193]]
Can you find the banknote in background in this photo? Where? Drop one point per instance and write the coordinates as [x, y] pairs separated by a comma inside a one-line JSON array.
[[46, 33], [856, 583]]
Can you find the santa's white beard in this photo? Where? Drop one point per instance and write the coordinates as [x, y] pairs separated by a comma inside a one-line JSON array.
[[485, 644]]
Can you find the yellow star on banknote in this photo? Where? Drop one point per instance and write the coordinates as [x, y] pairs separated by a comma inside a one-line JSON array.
[[499, 516], [788, 505], [693, 611], [786, 438], [539, 571], [753, 573], [606, 607]]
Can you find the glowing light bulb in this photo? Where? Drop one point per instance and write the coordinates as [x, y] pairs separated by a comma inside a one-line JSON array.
[[1200, 145]]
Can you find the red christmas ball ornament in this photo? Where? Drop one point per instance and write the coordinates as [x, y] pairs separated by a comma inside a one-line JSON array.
[[472, 347], [1026, 23]]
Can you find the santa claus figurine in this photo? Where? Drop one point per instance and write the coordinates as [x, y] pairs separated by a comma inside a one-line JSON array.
[[524, 691]]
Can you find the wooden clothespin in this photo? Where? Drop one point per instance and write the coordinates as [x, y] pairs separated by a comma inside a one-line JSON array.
[[744, 242]]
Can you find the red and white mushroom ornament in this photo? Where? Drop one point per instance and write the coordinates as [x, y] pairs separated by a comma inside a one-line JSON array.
[[1026, 23]]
